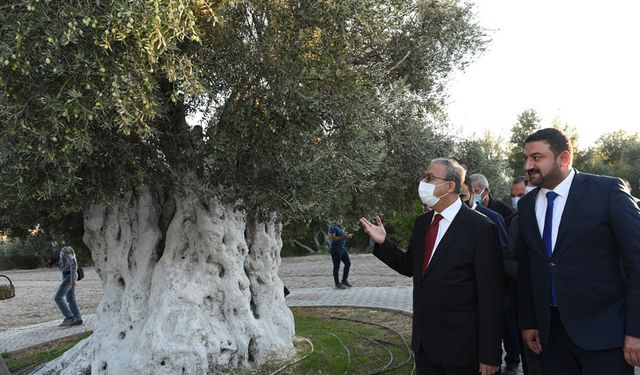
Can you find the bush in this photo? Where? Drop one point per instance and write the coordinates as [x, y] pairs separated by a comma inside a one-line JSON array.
[[25, 253]]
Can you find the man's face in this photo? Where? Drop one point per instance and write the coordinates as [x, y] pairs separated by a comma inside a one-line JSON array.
[[543, 168], [464, 194], [437, 174], [517, 190], [476, 189]]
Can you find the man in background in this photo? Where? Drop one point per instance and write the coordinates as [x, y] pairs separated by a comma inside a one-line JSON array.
[[339, 253], [482, 195]]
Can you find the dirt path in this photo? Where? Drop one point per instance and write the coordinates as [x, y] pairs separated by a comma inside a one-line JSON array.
[[35, 288]]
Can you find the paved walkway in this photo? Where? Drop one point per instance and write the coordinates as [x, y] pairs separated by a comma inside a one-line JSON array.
[[393, 298]]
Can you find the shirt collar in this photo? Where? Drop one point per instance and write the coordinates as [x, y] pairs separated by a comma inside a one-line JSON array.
[[563, 188], [450, 212]]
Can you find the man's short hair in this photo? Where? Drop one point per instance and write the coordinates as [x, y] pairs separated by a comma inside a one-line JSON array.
[[454, 172], [481, 179], [518, 180], [557, 140]]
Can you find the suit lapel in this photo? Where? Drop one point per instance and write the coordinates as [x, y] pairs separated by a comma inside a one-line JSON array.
[[530, 211], [454, 230], [576, 191]]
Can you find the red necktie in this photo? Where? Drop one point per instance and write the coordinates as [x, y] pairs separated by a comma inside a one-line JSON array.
[[429, 243]]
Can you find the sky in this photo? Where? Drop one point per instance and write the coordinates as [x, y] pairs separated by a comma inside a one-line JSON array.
[[574, 61]]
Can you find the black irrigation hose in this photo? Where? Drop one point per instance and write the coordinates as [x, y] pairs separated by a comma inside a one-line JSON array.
[[378, 342], [297, 360], [345, 348], [391, 329]]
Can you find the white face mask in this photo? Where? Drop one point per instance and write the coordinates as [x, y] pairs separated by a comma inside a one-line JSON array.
[[514, 202], [528, 189], [425, 191]]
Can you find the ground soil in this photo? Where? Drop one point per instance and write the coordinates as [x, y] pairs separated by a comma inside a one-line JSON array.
[[33, 302]]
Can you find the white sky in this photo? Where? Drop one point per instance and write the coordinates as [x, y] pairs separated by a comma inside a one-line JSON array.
[[575, 61]]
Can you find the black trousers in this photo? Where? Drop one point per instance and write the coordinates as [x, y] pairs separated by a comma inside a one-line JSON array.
[[338, 256], [425, 367], [561, 356]]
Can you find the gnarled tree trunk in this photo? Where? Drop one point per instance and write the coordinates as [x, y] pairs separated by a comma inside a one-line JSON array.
[[190, 287]]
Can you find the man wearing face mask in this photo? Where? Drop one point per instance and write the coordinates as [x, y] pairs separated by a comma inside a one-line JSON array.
[[481, 195], [455, 260]]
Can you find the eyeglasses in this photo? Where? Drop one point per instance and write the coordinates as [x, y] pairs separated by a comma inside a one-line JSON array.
[[430, 177]]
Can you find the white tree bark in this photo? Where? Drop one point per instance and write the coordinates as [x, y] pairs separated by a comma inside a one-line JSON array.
[[189, 288]]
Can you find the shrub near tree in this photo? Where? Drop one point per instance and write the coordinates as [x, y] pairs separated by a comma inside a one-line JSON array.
[[183, 221], [24, 253]]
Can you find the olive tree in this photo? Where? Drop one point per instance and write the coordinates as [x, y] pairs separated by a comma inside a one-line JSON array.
[[182, 132]]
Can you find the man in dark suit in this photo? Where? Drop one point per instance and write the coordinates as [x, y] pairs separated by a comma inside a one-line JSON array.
[[579, 264], [510, 331], [482, 195], [456, 264]]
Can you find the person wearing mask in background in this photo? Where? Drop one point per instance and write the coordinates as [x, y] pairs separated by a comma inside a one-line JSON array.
[[455, 260], [482, 196], [578, 264], [510, 333], [65, 297], [339, 253], [517, 191]]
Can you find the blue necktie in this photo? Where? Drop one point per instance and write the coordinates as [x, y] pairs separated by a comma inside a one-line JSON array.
[[546, 237]]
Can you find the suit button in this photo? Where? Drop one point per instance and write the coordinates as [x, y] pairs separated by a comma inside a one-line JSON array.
[[551, 264]]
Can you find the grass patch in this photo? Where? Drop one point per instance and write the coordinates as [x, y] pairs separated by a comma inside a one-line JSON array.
[[30, 357], [345, 340]]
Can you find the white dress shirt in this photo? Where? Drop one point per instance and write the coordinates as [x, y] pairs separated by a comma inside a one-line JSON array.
[[448, 214], [558, 206]]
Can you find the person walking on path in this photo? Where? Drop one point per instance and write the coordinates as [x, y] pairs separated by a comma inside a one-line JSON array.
[[68, 265], [339, 253]]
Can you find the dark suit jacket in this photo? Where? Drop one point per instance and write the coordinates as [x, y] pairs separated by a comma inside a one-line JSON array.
[[500, 207], [509, 263], [457, 306], [599, 233]]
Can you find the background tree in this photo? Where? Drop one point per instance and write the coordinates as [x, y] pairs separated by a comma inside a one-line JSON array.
[[614, 154], [486, 155], [181, 219], [528, 122]]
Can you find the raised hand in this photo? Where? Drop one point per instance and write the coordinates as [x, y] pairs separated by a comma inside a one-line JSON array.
[[375, 231]]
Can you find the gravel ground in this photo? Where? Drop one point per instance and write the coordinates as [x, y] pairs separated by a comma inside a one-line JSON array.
[[34, 303]]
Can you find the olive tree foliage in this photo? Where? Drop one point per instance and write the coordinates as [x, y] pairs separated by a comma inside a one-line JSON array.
[[616, 154], [300, 100], [528, 122], [486, 155]]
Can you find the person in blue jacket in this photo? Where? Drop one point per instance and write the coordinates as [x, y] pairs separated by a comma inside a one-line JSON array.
[[339, 253]]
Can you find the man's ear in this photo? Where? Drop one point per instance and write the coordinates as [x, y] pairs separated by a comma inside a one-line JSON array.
[[452, 187], [565, 158]]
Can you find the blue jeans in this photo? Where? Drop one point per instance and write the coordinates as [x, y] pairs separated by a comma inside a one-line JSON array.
[[65, 289]]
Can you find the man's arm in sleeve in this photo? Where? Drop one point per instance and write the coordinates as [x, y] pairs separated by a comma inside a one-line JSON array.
[[401, 261], [489, 276], [625, 224], [526, 312]]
